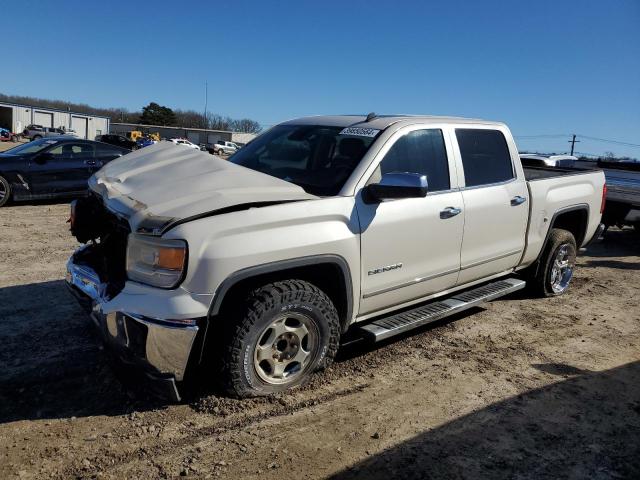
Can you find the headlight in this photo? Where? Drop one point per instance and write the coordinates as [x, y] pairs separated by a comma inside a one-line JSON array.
[[156, 261]]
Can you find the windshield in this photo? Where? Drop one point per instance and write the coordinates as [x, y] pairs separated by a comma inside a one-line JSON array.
[[32, 147], [317, 158]]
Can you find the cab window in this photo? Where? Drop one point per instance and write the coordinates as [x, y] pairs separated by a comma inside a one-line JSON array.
[[422, 152], [485, 156]]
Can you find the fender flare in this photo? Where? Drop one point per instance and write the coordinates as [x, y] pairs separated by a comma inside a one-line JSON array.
[[272, 267], [572, 208]]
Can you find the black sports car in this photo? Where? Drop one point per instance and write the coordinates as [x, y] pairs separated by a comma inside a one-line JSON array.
[[117, 140], [52, 167]]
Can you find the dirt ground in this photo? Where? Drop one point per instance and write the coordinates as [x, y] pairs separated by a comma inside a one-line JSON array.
[[522, 388]]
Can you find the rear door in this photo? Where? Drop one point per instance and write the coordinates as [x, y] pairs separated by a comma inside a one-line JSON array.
[[411, 247], [496, 203], [63, 168]]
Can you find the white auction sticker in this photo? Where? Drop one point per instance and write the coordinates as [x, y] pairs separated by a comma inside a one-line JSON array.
[[360, 132]]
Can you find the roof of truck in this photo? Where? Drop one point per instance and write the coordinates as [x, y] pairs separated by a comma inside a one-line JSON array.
[[379, 122]]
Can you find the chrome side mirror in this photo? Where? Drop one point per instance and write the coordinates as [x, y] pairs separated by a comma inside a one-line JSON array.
[[397, 185]]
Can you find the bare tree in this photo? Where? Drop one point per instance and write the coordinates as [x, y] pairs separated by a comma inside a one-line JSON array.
[[246, 125]]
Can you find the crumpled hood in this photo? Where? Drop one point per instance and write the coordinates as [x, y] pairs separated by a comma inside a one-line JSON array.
[[165, 183]]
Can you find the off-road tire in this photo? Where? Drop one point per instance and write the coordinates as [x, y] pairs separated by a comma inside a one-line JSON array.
[[239, 377], [540, 283], [6, 187]]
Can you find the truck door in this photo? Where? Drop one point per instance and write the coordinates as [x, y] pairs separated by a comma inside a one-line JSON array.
[[496, 203], [410, 247]]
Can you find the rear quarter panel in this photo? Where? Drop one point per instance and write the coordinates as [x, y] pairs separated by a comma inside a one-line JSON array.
[[552, 195]]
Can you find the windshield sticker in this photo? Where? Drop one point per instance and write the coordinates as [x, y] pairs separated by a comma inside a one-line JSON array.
[[360, 132]]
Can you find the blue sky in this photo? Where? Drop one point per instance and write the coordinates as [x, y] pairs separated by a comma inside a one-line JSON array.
[[544, 67]]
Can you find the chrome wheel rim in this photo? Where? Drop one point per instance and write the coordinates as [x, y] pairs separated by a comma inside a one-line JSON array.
[[285, 348], [562, 269], [3, 191]]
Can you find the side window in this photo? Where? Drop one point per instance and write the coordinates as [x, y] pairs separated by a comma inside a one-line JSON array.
[[83, 150], [423, 152], [108, 151], [485, 156], [72, 150]]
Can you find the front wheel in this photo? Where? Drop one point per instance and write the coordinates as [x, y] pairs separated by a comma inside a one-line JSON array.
[[286, 331], [557, 264], [5, 192]]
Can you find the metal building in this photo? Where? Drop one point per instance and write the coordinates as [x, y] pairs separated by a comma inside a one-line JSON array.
[[195, 135], [16, 117]]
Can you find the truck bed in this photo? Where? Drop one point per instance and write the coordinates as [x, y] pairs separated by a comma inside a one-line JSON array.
[[623, 185], [539, 173]]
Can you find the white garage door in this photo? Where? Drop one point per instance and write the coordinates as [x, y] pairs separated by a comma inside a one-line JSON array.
[[212, 138], [79, 124], [43, 118]]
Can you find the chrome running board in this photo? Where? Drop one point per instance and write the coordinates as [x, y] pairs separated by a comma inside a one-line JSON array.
[[397, 323]]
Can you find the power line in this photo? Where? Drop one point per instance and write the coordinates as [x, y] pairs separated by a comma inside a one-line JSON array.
[[617, 142], [586, 137], [555, 135]]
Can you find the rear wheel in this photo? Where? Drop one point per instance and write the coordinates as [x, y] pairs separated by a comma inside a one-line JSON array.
[[286, 331], [557, 264], [36, 137], [5, 192]]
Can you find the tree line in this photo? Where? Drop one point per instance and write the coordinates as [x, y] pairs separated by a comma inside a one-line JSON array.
[[152, 114]]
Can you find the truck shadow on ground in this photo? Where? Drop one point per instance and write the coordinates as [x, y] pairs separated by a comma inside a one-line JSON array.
[[52, 364], [586, 426]]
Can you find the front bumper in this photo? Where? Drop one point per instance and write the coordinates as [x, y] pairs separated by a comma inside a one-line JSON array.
[[160, 348]]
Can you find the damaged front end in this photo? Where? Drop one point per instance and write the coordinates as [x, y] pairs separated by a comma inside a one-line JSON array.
[[96, 274]]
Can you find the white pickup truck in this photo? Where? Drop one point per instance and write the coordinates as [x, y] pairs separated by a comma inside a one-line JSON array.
[[249, 271]]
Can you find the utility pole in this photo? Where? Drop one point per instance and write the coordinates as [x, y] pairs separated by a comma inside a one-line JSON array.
[[573, 141], [206, 97]]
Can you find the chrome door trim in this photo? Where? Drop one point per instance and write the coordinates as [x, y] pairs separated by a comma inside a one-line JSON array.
[[482, 262], [409, 283]]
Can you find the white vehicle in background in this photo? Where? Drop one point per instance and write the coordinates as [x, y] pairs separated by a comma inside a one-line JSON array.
[[70, 132], [185, 143], [224, 147], [532, 159]]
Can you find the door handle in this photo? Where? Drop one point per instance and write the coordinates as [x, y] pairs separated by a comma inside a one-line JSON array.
[[517, 200], [449, 212]]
